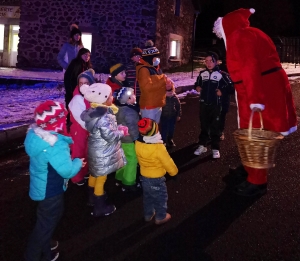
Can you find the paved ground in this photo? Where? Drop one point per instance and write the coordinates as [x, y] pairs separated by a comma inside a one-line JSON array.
[[208, 221]]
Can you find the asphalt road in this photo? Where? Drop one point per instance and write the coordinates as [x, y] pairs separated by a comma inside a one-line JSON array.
[[208, 221]]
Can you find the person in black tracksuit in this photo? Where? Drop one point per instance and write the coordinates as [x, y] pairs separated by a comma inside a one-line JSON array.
[[213, 85]]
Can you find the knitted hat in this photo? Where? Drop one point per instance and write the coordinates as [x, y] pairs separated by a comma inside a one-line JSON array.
[[74, 30], [147, 127], [51, 115], [88, 74], [122, 95], [150, 49], [116, 69], [136, 51]]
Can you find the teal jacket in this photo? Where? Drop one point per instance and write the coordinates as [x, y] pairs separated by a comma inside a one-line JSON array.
[[50, 162]]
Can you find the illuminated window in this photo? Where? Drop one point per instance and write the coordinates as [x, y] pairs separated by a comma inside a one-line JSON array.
[[15, 40], [1, 37], [87, 41], [175, 43]]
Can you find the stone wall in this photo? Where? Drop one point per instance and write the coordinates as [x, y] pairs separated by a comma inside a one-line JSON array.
[[116, 27], [168, 22]]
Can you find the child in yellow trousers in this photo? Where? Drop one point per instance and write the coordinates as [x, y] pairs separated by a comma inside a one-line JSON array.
[[105, 154]]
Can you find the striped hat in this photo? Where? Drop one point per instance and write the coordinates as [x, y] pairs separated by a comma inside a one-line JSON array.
[[116, 69], [147, 127], [122, 95], [51, 115]]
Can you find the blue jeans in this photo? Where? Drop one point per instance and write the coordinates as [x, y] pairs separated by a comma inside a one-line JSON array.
[[155, 197], [49, 212], [153, 114], [167, 128]]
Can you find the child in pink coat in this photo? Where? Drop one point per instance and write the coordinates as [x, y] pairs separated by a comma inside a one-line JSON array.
[[78, 131]]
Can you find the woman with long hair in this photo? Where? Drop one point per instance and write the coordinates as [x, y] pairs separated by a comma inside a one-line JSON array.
[[70, 49], [78, 65]]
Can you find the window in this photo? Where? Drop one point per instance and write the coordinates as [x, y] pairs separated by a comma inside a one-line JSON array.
[[175, 44], [1, 37], [15, 38], [177, 7], [87, 41]]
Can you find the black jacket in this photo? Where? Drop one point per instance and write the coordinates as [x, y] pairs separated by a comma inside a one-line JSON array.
[[210, 82]]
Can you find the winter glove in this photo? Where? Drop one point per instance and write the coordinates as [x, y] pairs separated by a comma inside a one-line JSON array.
[[124, 129]]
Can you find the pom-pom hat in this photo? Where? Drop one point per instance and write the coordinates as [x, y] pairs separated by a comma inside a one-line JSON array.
[[147, 127], [122, 95], [74, 30], [116, 69], [88, 74], [51, 116]]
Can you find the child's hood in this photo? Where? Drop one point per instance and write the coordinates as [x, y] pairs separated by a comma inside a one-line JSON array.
[[93, 113], [37, 140]]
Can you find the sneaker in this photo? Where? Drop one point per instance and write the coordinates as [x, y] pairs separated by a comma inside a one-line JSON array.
[[216, 154], [166, 219], [54, 255], [54, 244], [201, 149]]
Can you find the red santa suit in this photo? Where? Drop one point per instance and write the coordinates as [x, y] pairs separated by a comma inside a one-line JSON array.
[[260, 81], [78, 132]]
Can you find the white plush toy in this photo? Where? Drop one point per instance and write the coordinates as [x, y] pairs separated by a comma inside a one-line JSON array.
[[96, 93]]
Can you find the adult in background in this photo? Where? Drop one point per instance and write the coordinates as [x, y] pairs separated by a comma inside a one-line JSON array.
[[260, 83], [69, 50], [152, 84], [78, 65]]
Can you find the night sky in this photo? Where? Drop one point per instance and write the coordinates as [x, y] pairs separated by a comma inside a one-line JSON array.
[[274, 17]]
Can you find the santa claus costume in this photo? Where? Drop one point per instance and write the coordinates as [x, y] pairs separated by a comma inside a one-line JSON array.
[[260, 84]]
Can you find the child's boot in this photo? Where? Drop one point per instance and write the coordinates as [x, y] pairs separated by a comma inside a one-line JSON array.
[[101, 208], [162, 221]]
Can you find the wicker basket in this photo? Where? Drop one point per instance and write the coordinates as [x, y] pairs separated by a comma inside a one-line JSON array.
[[257, 147]]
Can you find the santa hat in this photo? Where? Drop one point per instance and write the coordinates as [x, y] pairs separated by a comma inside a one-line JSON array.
[[122, 95], [88, 74], [236, 19], [51, 116], [116, 69], [74, 30], [147, 127], [136, 51]]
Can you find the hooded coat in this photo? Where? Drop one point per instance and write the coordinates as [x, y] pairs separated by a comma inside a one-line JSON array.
[[50, 162], [105, 154], [254, 66]]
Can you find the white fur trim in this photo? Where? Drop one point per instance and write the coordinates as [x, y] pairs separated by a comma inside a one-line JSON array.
[[252, 10], [76, 107], [153, 139], [219, 30], [291, 130], [257, 105], [45, 135]]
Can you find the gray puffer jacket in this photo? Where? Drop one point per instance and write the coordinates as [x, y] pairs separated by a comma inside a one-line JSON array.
[[129, 117], [105, 154]]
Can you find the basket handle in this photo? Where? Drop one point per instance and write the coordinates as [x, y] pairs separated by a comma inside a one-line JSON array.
[[250, 124]]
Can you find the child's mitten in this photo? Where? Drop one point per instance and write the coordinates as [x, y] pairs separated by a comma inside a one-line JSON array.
[[124, 129]]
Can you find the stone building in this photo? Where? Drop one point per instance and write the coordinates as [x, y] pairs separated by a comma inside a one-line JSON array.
[[110, 28]]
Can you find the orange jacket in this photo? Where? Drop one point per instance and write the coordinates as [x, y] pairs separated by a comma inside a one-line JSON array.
[[152, 86]]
